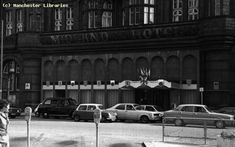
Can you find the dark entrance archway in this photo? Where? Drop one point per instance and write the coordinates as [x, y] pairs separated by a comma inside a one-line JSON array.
[[153, 96], [59, 93]]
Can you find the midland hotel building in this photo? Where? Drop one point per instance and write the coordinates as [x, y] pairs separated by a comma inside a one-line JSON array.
[[161, 52]]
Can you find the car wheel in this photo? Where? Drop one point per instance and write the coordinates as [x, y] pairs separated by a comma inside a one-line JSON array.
[[178, 122], [37, 114], [219, 124], [144, 119], [76, 118]]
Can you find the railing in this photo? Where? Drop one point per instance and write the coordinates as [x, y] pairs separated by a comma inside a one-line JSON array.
[[205, 127]]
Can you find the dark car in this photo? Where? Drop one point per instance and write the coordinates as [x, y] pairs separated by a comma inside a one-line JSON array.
[[14, 112], [86, 112], [56, 107]]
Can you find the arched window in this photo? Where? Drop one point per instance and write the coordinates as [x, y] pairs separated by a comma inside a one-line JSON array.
[[107, 14]]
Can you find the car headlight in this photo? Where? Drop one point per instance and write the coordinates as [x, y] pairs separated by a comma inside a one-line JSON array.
[[161, 114]]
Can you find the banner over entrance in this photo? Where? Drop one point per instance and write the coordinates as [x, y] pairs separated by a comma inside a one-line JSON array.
[[161, 83]]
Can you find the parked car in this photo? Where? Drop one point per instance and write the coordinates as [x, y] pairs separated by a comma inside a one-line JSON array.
[[14, 112], [86, 112], [128, 111], [194, 114], [151, 108], [56, 107]]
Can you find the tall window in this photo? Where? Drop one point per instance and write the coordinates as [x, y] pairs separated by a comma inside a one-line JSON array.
[[134, 12], [8, 23], [35, 20], [69, 19], [123, 17], [107, 14], [177, 10], [148, 11], [19, 21], [217, 8], [58, 19], [92, 14], [193, 11]]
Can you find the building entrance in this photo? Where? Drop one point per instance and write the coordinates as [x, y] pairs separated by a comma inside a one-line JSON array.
[[159, 97], [60, 93]]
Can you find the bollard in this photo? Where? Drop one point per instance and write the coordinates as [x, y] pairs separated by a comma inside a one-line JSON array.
[[28, 112], [205, 131], [163, 129]]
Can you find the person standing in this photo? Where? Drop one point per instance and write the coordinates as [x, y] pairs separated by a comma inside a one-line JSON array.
[[4, 121]]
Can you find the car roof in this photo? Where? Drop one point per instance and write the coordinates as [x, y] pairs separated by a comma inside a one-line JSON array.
[[91, 104], [127, 104], [58, 98], [199, 105]]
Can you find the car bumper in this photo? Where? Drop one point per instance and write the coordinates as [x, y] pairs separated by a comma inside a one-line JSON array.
[[112, 118]]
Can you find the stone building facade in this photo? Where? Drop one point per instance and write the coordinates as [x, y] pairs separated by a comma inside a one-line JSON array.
[[160, 52]]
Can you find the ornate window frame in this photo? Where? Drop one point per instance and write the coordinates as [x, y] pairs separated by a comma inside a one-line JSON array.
[[177, 12], [193, 10]]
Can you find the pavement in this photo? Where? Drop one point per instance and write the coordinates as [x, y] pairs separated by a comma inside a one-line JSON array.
[[170, 144], [47, 133]]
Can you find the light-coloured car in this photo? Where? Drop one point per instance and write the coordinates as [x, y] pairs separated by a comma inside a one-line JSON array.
[[196, 114], [86, 112], [151, 108], [128, 111]]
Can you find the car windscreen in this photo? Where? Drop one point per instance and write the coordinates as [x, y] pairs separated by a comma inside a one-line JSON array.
[[208, 109], [158, 108], [73, 102]]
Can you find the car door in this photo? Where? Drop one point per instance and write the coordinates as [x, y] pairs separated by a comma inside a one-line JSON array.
[[201, 115], [131, 113], [120, 110], [90, 112], [66, 107], [51, 108], [59, 108], [82, 112], [187, 114]]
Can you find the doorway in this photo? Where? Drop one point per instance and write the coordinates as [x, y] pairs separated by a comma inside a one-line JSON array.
[[159, 97], [60, 93]]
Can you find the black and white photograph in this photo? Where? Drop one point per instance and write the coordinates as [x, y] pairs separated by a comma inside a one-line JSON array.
[[117, 73]]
